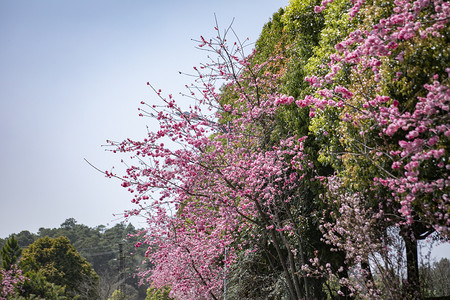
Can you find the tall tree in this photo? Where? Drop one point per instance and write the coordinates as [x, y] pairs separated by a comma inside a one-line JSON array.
[[238, 180], [10, 253], [57, 262]]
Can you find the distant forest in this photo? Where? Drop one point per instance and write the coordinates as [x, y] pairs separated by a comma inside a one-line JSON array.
[[100, 246]]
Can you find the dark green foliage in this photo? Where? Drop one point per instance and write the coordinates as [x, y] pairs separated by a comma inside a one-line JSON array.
[[436, 278], [255, 276], [10, 253], [305, 40], [99, 246], [56, 261], [25, 238], [303, 27], [37, 287], [272, 41]]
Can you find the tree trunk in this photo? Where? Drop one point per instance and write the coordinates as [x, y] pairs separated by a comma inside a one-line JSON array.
[[412, 264]]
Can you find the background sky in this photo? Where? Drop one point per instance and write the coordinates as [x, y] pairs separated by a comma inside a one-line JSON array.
[[72, 74]]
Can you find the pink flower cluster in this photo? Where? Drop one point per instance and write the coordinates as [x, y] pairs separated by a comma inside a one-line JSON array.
[[212, 174], [423, 129], [202, 180], [421, 133], [10, 282]]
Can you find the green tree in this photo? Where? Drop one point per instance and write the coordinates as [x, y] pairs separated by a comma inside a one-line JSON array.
[[436, 278], [25, 238], [37, 287], [10, 253], [56, 261], [99, 245], [441, 277]]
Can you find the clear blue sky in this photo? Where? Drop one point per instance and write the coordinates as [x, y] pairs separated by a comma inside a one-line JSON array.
[[72, 74]]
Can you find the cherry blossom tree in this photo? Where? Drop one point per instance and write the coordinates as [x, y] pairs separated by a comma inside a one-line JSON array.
[[404, 139], [10, 281], [224, 178], [217, 181]]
